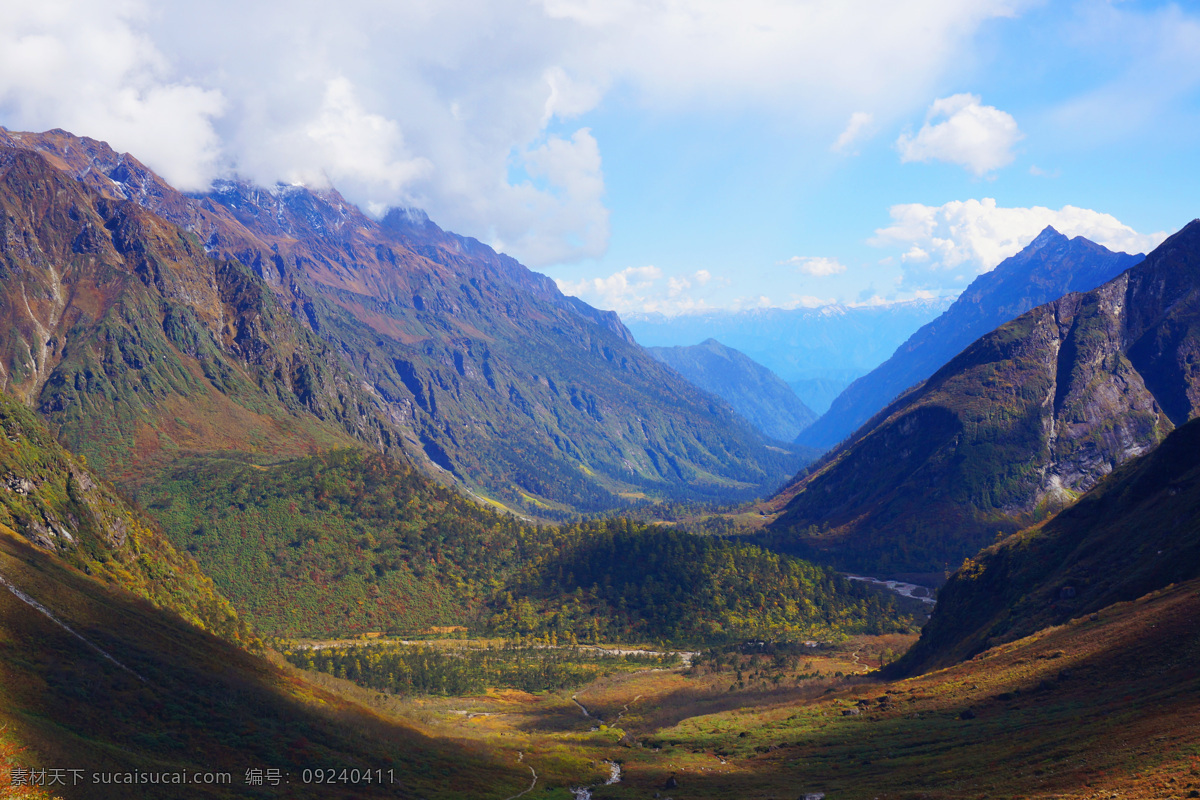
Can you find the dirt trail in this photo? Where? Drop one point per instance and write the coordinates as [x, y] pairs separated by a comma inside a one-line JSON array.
[[858, 663], [625, 708], [533, 783]]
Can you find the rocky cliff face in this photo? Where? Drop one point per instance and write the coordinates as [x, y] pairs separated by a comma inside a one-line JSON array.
[[1019, 424], [396, 333], [1048, 268], [1136, 532]]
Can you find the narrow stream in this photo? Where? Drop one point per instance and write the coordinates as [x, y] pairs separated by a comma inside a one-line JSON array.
[[922, 593], [586, 713], [614, 776], [614, 769]]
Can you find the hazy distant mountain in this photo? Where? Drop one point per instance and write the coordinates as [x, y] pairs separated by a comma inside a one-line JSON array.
[[1049, 267], [815, 350], [821, 392], [1018, 424], [144, 322], [754, 391]]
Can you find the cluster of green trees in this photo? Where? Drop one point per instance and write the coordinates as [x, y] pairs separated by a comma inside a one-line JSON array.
[[339, 543], [619, 580], [347, 542], [424, 669]]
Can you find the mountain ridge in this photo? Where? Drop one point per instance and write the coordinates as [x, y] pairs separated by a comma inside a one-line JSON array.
[[1047, 268], [434, 345], [1014, 427], [755, 392], [1134, 533], [816, 351]]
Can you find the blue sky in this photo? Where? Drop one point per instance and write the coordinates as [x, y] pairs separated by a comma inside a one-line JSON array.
[[1105, 122], [664, 155]]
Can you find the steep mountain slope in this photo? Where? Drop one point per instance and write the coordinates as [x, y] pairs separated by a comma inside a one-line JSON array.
[[134, 343], [1049, 267], [812, 349], [1019, 424], [1138, 531], [435, 344], [55, 503], [754, 391], [96, 680]]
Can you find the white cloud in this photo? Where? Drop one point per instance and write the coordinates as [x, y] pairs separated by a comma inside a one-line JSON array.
[[677, 286], [809, 301], [959, 130], [90, 68], [978, 234], [444, 105], [817, 267], [565, 219], [778, 51], [859, 128], [1038, 172], [647, 289], [568, 97], [348, 146], [621, 291]]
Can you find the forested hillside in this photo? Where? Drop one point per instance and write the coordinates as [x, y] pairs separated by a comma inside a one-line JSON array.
[[345, 542], [1136, 532]]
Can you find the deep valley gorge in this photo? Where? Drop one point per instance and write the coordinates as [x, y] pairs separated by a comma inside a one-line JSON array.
[[298, 501]]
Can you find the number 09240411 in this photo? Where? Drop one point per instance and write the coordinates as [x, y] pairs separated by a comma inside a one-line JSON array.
[[348, 776]]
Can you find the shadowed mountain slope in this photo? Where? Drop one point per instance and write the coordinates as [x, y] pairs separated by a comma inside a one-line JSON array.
[[407, 338], [1138, 531], [1017, 425], [754, 391], [94, 678], [1048, 268]]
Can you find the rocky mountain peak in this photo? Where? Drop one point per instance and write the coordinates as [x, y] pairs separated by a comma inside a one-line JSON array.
[[1049, 234], [1047, 268]]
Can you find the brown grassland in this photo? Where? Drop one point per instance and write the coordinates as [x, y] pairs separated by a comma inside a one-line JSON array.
[[1102, 707]]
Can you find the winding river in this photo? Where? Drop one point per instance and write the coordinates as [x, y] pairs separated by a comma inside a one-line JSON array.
[[922, 593]]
